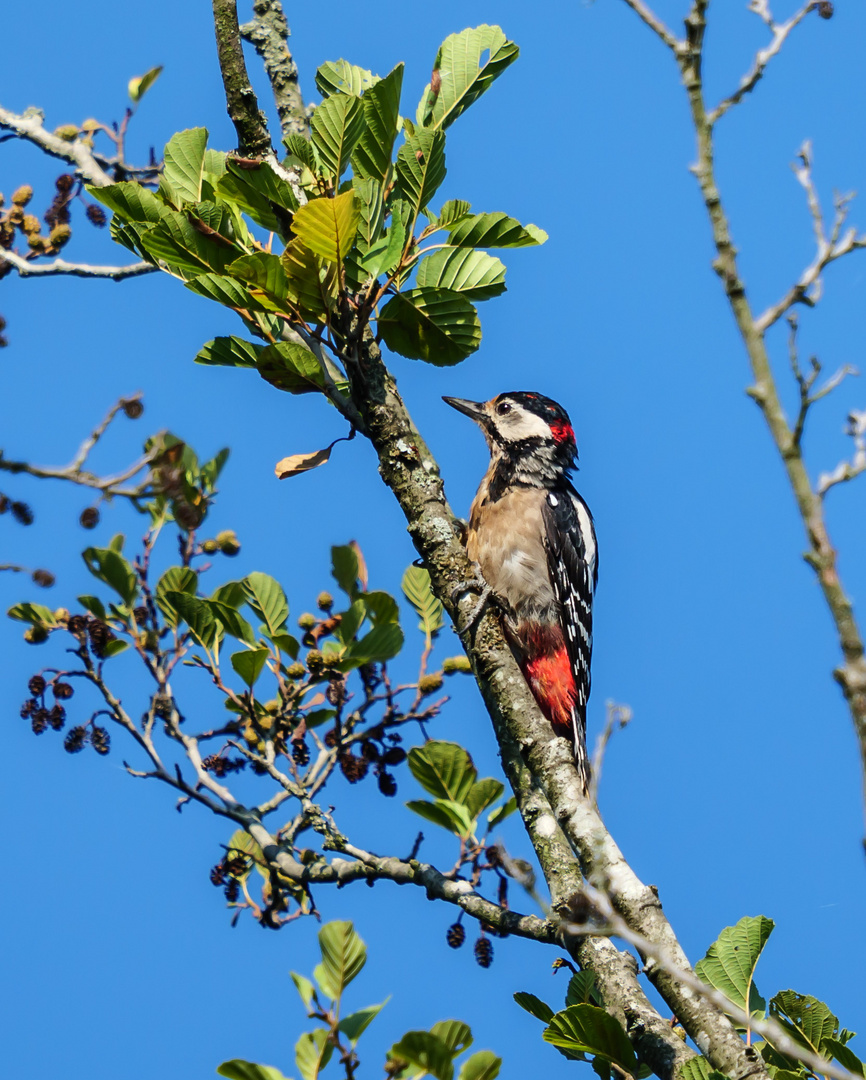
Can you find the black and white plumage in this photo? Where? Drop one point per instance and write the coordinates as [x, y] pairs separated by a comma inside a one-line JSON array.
[[533, 537]]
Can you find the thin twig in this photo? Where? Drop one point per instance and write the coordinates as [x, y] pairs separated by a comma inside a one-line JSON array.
[[848, 470], [763, 57], [648, 16], [808, 288], [26, 268]]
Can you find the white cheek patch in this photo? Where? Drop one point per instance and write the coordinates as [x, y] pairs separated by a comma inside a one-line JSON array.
[[525, 425]]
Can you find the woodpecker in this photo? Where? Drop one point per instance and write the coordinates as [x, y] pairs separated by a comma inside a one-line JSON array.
[[533, 538]]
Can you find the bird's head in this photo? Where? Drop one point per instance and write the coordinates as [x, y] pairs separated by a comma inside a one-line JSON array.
[[521, 424]]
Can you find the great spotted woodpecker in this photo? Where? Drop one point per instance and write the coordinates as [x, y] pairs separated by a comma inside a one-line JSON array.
[[533, 538]]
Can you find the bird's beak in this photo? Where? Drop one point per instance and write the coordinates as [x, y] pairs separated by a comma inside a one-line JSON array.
[[473, 409]]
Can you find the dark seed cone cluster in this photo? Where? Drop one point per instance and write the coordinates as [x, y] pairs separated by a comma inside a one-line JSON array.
[[484, 952], [456, 935]]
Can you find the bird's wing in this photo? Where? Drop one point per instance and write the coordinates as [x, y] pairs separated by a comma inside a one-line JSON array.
[[572, 560]]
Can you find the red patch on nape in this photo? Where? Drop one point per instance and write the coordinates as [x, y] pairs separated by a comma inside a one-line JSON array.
[[561, 431]]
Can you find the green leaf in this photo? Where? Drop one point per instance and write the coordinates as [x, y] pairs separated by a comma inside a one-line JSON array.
[[300, 148], [266, 597], [495, 230], [339, 76], [111, 567], [184, 162], [421, 169], [581, 989], [291, 367], [328, 226], [808, 1020], [250, 663], [730, 962], [355, 1024], [534, 1006], [381, 607], [467, 64], [343, 956], [175, 579], [304, 987], [312, 1053], [237, 1069], [345, 568], [197, 615], [475, 274], [312, 283], [441, 813], [211, 470], [482, 1065], [229, 352], [444, 769], [383, 642], [350, 621], [336, 127], [453, 211], [436, 325], [262, 271], [232, 622], [225, 290], [590, 1030], [130, 201], [416, 589], [456, 1035], [184, 249], [35, 614], [698, 1068], [260, 193], [114, 648], [94, 605], [502, 812], [482, 794], [846, 1058], [426, 1051], [372, 156], [140, 84], [384, 255]]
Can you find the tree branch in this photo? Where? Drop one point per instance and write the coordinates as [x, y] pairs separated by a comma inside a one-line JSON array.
[[28, 125], [769, 1029], [75, 472], [269, 31], [829, 247], [648, 16], [821, 554], [243, 107], [409, 469], [26, 268], [751, 79]]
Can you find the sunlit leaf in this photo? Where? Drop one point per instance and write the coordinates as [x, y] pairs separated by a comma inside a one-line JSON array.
[[184, 162], [590, 1030], [475, 274], [444, 769], [140, 84], [436, 325], [465, 66]]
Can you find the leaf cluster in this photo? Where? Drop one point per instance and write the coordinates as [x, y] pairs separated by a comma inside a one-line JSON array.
[[341, 231]]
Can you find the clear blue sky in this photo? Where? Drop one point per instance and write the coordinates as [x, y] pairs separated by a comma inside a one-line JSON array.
[[736, 788]]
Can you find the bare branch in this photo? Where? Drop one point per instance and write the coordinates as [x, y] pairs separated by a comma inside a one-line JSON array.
[[75, 472], [242, 105], [28, 125], [617, 716], [27, 268], [648, 16], [808, 288], [848, 470], [763, 57], [269, 31]]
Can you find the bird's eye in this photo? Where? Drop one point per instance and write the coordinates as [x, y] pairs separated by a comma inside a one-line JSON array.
[[504, 407]]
